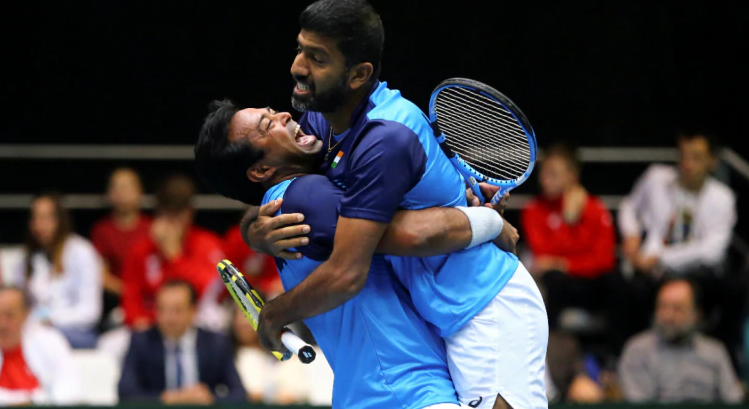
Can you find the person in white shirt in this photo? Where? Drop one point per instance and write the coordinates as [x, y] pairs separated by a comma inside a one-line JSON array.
[[678, 221], [36, 366], [687, 216], [63, 273]]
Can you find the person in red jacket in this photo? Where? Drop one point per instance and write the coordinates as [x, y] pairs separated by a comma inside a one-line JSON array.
[[175, 249], [570, 234], [115, 234], [259, 269]]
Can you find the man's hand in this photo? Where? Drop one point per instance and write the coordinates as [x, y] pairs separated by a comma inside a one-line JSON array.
[[275, 235], [573, 204], [167, 235], [488, 191], [584, 390], [644, 264], [198, 394], [269, 329], [507, 238], [631, 247]]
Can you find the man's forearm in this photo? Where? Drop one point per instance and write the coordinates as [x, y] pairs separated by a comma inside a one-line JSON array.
[[424, 233], [335, 281], [325, 289]]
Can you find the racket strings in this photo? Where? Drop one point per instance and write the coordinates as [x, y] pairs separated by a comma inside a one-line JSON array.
[[483, 133], [506, 121]]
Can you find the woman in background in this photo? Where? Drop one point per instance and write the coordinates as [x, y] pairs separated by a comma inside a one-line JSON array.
[[62, 273]]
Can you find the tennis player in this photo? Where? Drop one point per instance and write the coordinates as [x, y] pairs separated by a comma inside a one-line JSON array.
[[379, 148], [383, 354]]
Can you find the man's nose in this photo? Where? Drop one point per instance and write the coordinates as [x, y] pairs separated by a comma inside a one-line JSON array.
[[299, 69]]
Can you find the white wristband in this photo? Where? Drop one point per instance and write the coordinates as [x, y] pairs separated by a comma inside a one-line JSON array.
[[486, 224]]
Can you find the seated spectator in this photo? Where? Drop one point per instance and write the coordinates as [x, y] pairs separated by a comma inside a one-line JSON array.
[[174, 249], [177, 363], [566, 379], [570, 234], [63, 273], [686, 216], [259, 269], [114, 235], [36, 366], [679, 220], [673, 362]]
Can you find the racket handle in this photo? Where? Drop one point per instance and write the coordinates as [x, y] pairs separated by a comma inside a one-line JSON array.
[[297, 346], [499, 195]]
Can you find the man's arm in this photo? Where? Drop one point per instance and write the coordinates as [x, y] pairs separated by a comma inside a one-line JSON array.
[[637, 382]]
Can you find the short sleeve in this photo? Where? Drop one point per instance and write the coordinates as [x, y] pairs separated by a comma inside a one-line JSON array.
[[318, 199], [388, 162]]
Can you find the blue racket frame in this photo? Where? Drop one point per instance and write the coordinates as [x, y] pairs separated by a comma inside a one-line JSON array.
[[471, 175]]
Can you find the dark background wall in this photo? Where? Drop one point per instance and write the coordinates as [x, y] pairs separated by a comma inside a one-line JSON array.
[[590, 73]]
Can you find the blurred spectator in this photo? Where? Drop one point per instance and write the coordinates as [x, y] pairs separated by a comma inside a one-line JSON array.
[[674, 363], [281, 383], [114, 235], [174, 249], [570, 234], [177, 363], [686, 216], [63, 273], [259, 269], [36, 366], [566, 379]]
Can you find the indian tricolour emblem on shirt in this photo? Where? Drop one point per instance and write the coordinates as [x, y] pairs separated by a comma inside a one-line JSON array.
[[337, 159]]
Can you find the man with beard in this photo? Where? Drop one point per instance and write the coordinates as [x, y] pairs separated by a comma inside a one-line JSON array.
[[674, 363], [379, 148]]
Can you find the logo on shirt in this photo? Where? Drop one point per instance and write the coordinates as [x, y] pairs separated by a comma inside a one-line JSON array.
[[476, 403], [336, 160]]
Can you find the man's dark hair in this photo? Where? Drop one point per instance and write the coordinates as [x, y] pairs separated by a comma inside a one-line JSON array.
[[566, 153], [689, 134], [221, 164], [353, 24], [175, 194], [182, 284]]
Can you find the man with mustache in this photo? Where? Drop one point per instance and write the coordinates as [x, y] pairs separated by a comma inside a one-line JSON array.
[[379, 149]]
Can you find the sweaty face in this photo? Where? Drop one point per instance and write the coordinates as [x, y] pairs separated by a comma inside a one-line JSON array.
[[319, 70], [675, 314], [276, 134], [695, 161], [43, 223], [555, 176]]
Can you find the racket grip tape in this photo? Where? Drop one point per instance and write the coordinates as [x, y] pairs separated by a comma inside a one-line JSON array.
[[297, 346]]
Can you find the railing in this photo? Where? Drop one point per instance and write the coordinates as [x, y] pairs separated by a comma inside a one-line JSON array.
[[216, 202]]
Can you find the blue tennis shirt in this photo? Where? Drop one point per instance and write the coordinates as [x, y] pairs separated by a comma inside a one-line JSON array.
[[383, 354], [389, 159]]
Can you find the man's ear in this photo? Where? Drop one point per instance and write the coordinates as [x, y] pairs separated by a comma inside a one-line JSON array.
[[260, 173], [360, 74]]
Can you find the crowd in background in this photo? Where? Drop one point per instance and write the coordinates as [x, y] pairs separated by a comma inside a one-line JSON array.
[[655, 315]]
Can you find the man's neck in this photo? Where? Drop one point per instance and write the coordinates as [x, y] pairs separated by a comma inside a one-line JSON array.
[[340, 120], [126, 220], [693, 187]]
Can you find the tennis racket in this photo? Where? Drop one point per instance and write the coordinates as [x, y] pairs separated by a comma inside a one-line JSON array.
[[250, 302], [485, 135]]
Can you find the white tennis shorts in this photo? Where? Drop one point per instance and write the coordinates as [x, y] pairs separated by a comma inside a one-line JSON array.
[[502, 350]]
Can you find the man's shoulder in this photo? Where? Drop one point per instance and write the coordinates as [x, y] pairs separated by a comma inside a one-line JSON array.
[[217, 342], [642, 342], [719, 191], [142, 339], [709, 347], [394, 115]]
